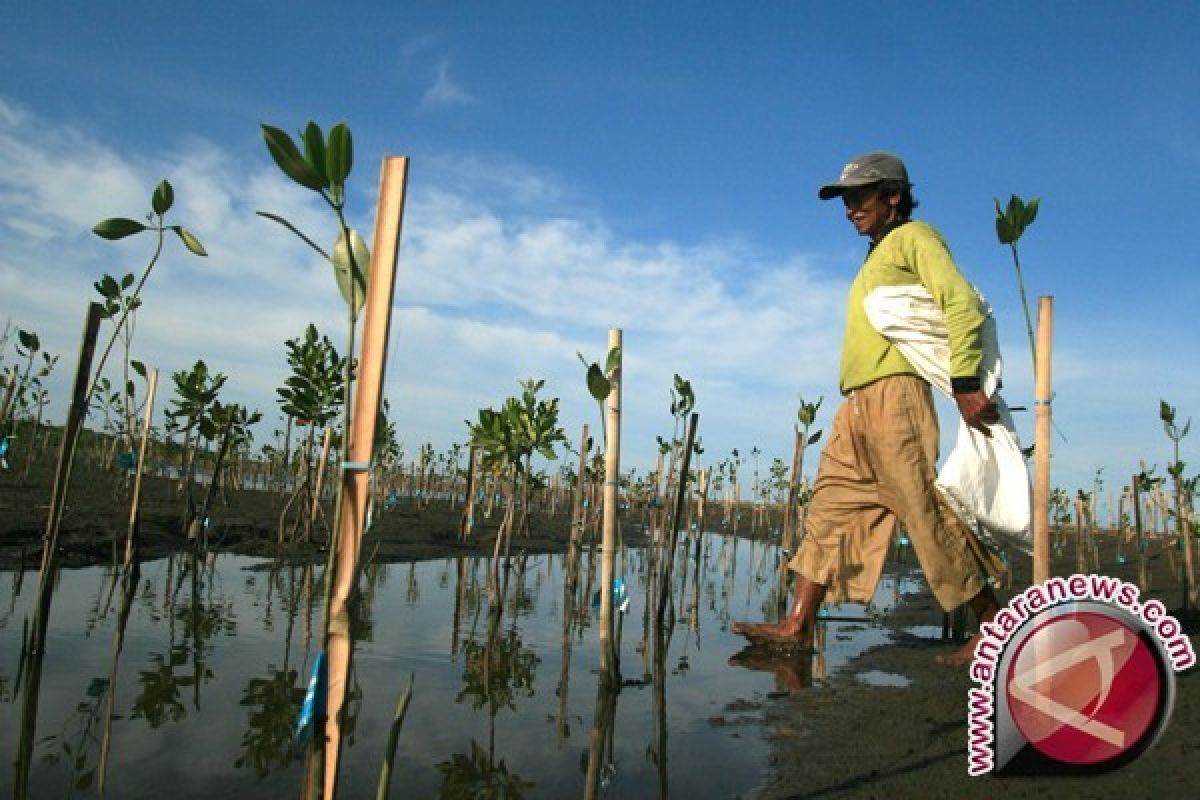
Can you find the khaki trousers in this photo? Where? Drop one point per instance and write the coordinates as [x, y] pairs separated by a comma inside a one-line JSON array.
[[877, 469]]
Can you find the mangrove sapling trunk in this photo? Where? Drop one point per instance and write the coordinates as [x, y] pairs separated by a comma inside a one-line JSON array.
[[198, 525], [316, 495], [1080, 559], [577, 519], [33, 437], [676, 513], [132, 533], [467, 523], [385, 774], [1190, 591], [1143, 576], [34, 651]]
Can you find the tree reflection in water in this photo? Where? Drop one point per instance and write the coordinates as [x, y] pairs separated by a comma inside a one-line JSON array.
[[274, 702], [495, 672], [193, 627]]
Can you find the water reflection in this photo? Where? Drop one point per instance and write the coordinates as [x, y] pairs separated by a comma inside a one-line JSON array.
[[496, 672], [189, 675], [273, 703]]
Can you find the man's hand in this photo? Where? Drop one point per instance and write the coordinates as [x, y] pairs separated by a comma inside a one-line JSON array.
[[977, 410]]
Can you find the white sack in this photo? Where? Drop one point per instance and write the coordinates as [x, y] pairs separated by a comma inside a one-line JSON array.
[[984, 478]]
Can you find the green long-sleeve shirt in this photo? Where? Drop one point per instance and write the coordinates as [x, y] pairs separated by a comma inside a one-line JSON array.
[[909, 254]]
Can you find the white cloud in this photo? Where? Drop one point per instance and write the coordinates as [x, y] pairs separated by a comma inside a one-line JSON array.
[[496, 282], [445, 91]]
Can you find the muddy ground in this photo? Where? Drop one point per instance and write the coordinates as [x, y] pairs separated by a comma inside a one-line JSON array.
[[843, 739], [836, 738], [246, 522]]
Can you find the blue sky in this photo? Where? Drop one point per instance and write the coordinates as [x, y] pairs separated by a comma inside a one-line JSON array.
[[580, 166]]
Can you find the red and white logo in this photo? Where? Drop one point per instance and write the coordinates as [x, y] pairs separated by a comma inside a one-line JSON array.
[[1084, 688], [1076, 688]]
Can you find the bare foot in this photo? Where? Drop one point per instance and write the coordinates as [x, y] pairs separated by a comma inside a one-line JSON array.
[[962, 656], [790, 633]]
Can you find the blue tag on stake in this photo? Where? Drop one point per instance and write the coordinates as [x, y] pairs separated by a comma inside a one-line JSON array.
[[314, 698]]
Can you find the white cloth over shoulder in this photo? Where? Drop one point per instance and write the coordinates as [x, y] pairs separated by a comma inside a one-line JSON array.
[[984, 478]]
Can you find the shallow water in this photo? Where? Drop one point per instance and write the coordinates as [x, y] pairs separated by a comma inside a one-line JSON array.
[[216, 653]]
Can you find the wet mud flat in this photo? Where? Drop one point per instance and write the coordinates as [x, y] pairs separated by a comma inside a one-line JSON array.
[[854, 736], [243, 521], [890, 722]]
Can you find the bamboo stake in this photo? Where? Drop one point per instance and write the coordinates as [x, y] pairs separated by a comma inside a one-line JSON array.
[[612, 469], [373, 358], [131, 538], [1041, 441]]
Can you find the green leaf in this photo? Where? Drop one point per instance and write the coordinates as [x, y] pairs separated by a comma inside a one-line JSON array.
[[340, 154], [1031, 211], [287, 157], [352, 275], [117, 228], [1015, 212], [107, 287], [816, 437], [613, 361], [597, 384], [163, 198], [189, 241], [29, 341], [314, 147], [138, 367], [127, 281], [1004, 231]]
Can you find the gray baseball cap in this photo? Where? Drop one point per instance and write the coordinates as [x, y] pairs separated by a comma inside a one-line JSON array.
[[864, 170]]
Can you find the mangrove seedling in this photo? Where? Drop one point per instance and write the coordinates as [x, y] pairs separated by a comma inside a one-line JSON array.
[[1010, 224], [1166, 412], [119, 302], [311, 398], [196, 392], [19, 379]]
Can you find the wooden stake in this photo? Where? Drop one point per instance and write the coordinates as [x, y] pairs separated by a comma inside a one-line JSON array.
[[1041, 442], [608, 548], [377, 318]]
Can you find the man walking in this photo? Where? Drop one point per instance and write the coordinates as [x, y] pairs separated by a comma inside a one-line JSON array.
[[878, 467]]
